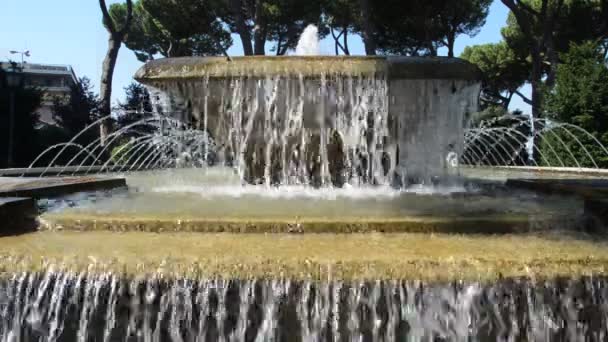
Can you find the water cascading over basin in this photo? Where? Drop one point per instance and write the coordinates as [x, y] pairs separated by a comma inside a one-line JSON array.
[[322, 120]]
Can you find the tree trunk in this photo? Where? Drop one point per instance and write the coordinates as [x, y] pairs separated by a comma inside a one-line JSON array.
[[368, 28], [507, 101], [109, 63], [259, 41], [291, 35], [539, 46], [536, 81], [279, 47], [259, 32], [451, 41], [241, 27], [345, 45], [432, 49], [337, 45], [553, 61]]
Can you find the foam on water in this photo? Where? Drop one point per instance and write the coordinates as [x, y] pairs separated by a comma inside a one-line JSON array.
[[305, 192], [224, 182]]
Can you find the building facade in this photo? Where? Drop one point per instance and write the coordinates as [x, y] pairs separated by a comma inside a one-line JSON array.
[[55, 81]]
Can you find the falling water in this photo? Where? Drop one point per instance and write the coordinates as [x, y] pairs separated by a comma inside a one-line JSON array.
[[58, 306], [308, 45], [294, 130]]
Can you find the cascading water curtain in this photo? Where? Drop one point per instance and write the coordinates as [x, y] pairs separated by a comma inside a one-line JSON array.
[[275, 130], [63, 306]]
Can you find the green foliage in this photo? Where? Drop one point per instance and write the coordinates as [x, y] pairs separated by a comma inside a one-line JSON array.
[[194, 27], [407, 27], [580, 97], [503, 72], [137, 98], [562, 146], [420, 27], [576, 22], [119, 152], [462, 17], [173, 28], [137, 105], [27, 102], [278, 21], [79, 111], [341, 14]]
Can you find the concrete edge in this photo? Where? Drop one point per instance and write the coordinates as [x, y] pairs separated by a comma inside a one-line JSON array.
[[60, 189], [455, 225]]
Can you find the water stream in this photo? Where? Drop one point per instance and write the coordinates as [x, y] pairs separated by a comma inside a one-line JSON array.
[[106, 307]]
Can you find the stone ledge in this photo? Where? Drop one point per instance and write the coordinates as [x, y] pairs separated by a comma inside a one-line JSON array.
[[182, 68], [593, 191], [53, 187], [433, 257], [497, 224]]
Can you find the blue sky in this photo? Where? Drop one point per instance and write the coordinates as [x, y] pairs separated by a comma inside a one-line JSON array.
[[70, 32]]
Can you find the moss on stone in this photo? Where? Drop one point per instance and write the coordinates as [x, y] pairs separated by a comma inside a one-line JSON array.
[[487, 224], [258, 66], [307, 66], [432, 257]]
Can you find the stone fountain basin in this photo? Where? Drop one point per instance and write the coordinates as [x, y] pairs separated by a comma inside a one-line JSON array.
[[436, 234], [413, 108], [211, 201]]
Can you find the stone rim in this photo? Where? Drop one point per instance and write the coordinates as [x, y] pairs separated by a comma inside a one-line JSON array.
[[392, 67]]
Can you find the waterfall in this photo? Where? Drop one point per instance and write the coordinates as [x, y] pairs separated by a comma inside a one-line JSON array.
[[57, 306], [291, 129]]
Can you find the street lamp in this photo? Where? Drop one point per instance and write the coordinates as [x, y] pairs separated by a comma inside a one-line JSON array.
[[22, 53], [13, 80]]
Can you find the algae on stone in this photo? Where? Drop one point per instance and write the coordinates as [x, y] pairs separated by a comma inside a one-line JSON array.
[[438, 257], [123, 222]]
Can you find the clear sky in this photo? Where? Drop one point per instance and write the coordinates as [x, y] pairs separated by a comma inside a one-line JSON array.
[[70, 32]]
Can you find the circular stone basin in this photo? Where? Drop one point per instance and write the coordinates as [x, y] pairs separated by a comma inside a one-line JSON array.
[[215, 201]]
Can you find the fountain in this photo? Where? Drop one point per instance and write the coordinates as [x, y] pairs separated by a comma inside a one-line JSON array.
[[308, 198], [323, 120]]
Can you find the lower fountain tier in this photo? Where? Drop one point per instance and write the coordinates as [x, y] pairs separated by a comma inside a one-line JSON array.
[[323, 119], [345, 257], [68, 306]]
